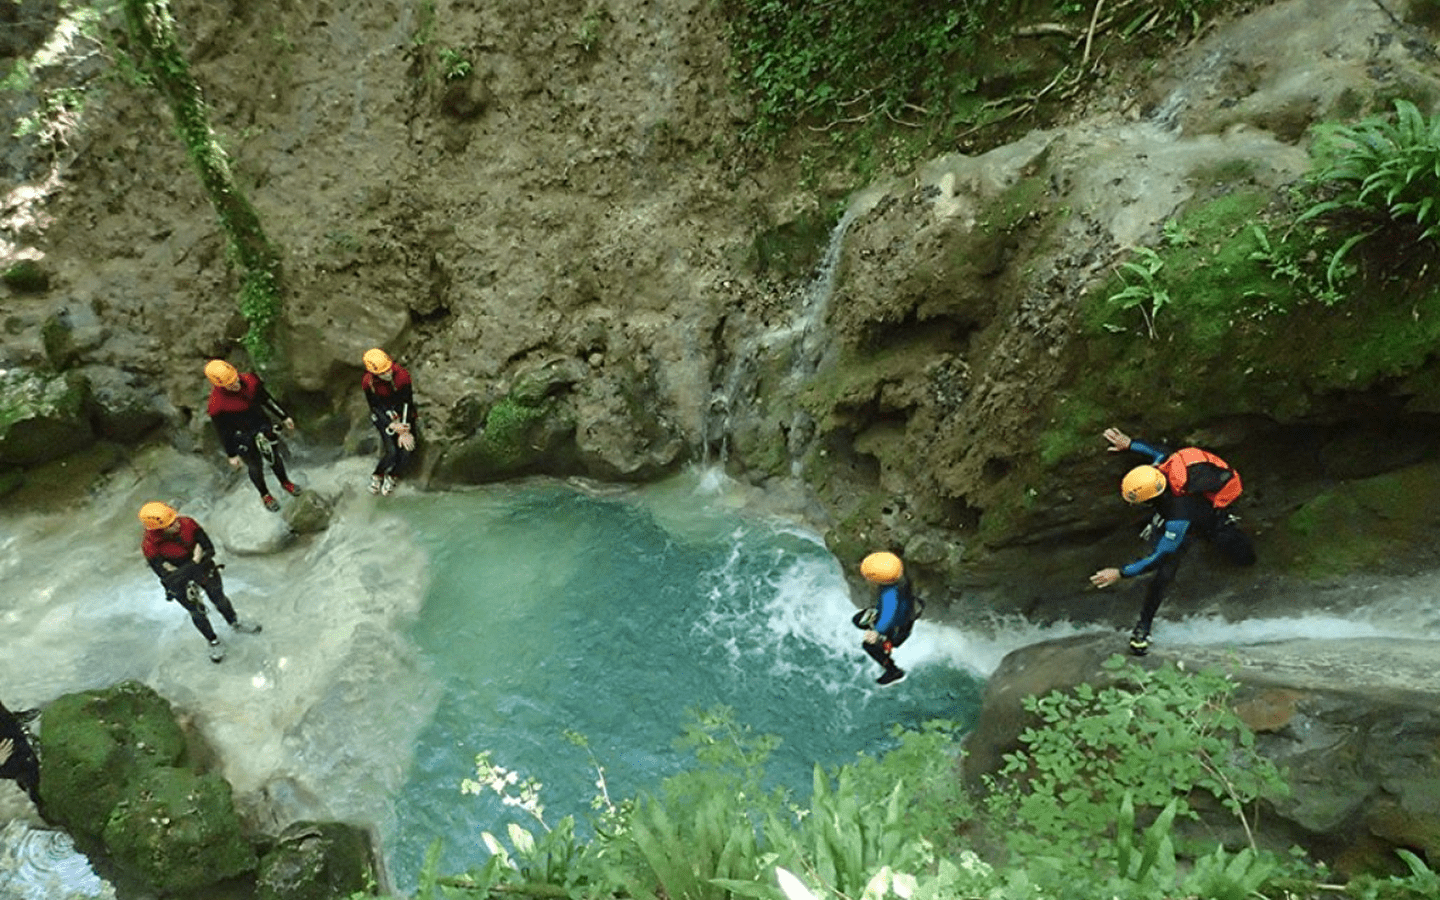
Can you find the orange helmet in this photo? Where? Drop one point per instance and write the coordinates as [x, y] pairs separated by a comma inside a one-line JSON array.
[[1142, 483], [156, 515], [377, 361], [882, 568], [221, 373]]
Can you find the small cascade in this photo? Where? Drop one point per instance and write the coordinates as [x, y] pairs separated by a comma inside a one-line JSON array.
[[800, 341], [1166, 114]]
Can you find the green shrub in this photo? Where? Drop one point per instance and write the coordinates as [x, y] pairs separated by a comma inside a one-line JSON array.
[[1152, 738]]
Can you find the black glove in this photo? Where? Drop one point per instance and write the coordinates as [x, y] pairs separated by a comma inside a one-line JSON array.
[[865, 618]]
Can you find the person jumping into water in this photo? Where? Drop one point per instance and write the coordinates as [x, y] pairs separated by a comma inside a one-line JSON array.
[[887, 624], [1190, 491]]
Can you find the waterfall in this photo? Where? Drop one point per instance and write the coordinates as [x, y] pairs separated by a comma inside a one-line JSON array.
[[800, 340]]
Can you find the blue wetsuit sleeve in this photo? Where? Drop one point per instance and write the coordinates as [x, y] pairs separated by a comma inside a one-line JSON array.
[[889, 604], [1145, 449], [1171, 537]]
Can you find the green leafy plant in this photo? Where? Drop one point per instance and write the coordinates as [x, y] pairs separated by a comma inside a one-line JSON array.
[[864, 62], [1146, 292], [587, 33], [1378, 176], [1152, 737], [455, 65], [1289, 263]]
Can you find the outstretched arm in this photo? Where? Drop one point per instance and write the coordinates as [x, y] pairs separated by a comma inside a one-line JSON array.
[[1166, 546], [1119, 441]]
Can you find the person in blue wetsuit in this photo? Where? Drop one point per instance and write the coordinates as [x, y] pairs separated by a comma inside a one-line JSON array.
[[887, 624], [1190, 490]]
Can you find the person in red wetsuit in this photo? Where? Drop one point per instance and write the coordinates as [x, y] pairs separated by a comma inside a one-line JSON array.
[[240, 409], [183, 556], [391, 397], [1191, 491]]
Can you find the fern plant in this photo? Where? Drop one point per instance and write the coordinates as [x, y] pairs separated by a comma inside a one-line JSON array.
[[1380, 175]]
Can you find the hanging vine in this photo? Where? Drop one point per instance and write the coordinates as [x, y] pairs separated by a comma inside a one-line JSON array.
[[152, 29]]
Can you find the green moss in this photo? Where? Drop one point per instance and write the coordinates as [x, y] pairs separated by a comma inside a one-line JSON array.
[[154, 38], [179, 831], [1017, 205], [26, 277], [793, 249], [1362, 525], [1248, 325], [1072, 429], [96, 743], [508, 427]]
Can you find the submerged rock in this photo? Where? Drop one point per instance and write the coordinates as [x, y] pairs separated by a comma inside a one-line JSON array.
[[317, 861], [42, 864]]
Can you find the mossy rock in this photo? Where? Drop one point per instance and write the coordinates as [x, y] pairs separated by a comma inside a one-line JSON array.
[[178, 831], [95, 744], [517, 440], [1365, 524], [42, 416], [317, 861], [26, 277]]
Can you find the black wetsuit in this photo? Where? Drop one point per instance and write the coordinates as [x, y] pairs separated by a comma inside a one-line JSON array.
[[23, 766], [172, 558], [390, 401], [1183, 516], [893, 617], [242, 421]]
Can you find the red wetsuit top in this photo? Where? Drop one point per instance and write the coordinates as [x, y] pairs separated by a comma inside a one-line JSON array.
[[1195, 471], [161, 547], [390, 401], [239, 415]]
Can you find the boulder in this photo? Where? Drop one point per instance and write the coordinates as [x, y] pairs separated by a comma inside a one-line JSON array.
[[95, 744], [310, 513], [42, 416], [518, 438], [244, 526], [178, 831], [124, 408], [317, 861]]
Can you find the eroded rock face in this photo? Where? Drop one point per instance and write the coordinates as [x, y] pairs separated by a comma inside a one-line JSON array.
[[1354, 723], [551, 205]]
